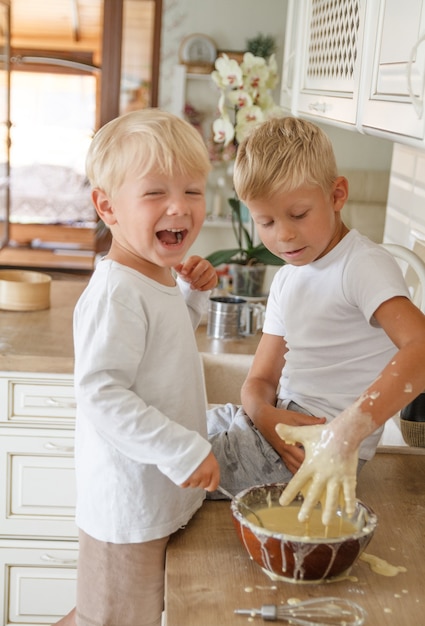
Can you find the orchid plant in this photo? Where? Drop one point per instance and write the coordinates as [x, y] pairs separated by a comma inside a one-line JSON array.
[[245, 101], [245, 95]]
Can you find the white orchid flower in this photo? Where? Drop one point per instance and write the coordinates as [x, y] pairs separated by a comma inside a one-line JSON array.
[[250, 61], [246, 119], [249, 114], [222, 105], [239, 98], [265, 100], [256, 78], [217, 78], [229, 72], [273, 75], [224, 130], [245, 95]]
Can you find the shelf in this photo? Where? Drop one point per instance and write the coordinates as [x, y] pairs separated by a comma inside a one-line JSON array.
[[217, 222]]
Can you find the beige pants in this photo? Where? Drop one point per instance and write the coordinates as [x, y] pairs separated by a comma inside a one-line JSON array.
[[120, 584]]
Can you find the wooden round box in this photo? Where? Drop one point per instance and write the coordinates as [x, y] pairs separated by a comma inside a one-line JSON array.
[[22, 290]]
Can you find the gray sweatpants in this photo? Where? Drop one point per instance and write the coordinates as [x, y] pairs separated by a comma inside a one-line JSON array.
[[244, 455]]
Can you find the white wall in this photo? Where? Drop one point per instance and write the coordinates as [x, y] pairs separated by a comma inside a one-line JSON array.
[[354, 150]]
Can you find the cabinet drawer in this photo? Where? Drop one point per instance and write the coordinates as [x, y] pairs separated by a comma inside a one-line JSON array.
[[37, 491], [40, 402], [39, 581]]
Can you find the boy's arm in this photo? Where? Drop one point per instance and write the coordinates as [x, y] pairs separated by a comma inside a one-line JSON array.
[[206, 475], [259, 399], [331, 450], [198, 272], [196, 278]]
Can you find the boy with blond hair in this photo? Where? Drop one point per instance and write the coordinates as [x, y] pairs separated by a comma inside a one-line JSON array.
[[142, 457], [343, 347]]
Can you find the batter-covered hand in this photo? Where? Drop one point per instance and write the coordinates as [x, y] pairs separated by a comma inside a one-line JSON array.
[[198, 272], [328, 473]]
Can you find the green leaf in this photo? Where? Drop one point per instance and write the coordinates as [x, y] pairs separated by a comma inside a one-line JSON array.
[[239, 228], [263, 255], [223, 256]]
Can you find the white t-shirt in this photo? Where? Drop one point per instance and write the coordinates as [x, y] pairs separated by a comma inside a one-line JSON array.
[[324, 310], [141, 414]]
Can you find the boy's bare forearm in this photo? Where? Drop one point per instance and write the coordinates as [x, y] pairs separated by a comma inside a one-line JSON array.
[[259, 402], [401, 381]]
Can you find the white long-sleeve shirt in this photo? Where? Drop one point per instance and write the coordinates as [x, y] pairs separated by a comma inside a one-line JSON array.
[[141, 414]]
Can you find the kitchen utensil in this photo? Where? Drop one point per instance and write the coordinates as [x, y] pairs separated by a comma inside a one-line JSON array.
[[317, 612], [299, 559], [242, 504], [230, 317]]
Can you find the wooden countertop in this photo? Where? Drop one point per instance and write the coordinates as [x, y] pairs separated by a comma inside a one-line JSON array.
[[241, 345], [41, 341], [209, 573]]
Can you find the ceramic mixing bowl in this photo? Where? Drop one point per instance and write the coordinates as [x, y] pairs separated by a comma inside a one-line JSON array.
[[299, 558]]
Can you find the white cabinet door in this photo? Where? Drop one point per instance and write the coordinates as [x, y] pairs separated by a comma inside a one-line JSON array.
[[39, 581], [37, 490], [331, 54], [395, 75], [291, 55]]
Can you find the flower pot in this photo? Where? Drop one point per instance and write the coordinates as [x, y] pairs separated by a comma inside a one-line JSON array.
[[248, 280]]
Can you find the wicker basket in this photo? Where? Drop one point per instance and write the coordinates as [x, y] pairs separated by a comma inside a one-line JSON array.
[[413, 433]]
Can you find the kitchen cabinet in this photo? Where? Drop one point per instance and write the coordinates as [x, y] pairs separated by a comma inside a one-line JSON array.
[[326, 57], [291, 56], [357, 64], [395, 76], [38, 581], [38, 534]]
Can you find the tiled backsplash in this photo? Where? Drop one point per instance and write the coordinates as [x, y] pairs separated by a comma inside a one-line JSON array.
[[405, 219], [367, 200]]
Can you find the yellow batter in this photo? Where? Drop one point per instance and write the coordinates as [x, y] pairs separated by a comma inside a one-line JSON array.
[[284, 519]]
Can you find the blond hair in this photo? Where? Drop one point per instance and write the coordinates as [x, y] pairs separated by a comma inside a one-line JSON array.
[[140, 142], [281, 155]]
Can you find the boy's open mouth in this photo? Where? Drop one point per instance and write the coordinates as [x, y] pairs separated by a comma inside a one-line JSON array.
[[171, 236]]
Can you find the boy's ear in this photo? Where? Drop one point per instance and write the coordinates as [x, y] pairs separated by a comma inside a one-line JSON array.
[[103, 206], [339, 192]]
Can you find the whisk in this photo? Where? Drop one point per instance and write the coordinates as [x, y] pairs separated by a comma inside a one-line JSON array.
[[317, 612]]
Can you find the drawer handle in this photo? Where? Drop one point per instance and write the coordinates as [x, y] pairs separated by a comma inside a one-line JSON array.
[[51, 559], [54, 446], [321, 107], [61, 403]]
